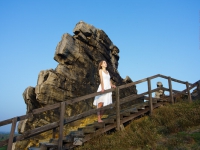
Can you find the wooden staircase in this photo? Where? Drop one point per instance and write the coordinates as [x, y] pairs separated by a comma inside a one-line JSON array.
[[114, 121], [78, 137]]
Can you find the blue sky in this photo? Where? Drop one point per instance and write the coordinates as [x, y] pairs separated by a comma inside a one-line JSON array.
[[154, 37]]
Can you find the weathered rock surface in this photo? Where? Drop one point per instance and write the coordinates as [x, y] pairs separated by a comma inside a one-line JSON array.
[[76, 75]]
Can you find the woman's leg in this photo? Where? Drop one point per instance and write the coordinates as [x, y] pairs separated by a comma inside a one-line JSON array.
[[99, 113]]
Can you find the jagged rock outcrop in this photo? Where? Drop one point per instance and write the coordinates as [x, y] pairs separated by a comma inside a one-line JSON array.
[[76, 75]]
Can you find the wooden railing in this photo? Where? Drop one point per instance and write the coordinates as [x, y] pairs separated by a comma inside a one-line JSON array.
[[62, 120]]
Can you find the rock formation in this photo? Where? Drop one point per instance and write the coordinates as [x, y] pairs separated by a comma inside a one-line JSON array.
[[76, 75], [160, 93]]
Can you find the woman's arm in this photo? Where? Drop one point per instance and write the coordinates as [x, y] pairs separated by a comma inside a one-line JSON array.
[[101, 80]]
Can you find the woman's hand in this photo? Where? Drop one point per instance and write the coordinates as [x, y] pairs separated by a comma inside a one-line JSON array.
[[113, 86], [102, 90]]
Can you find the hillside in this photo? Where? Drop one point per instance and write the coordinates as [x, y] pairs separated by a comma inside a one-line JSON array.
[[170, 127], [4, 136]]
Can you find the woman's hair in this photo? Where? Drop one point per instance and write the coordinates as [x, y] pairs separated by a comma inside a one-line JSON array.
[[100, 64]]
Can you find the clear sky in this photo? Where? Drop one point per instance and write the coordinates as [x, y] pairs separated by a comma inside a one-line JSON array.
[[154, 37]]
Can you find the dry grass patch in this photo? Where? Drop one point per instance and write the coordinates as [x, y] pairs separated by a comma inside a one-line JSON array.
[[170, 127]]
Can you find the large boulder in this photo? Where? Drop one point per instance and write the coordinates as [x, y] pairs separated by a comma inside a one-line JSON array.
[[76, 75]]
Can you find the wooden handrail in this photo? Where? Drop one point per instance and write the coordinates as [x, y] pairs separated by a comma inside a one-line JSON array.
[[137, 82], [53, 106], [78, 99], [63, 120], [72, 101]]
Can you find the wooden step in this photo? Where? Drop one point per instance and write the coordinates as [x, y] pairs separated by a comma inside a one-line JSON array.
[[33, 148], [46, 146], [68, 139], [113, 116], [87, 129], [140, 107], [154, 101], [132, 110], [125, 114], [108, 121], [145, 104], [76, 133], [99, 125], [55, 141]]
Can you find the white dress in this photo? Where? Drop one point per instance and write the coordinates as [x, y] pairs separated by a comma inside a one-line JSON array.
[[106, 99]]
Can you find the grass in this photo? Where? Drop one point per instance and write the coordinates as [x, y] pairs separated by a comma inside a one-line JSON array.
[[171, 127], [4, 136], [3, 148]]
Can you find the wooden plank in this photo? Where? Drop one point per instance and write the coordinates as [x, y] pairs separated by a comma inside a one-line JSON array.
[[99, 131], [61, 125], [68, 139], [89, 129], [36, 131], [53, 140], [9, 121], [154, 101], [132, 110], [46, 108], [150, 96], [46, 146], [31, 133], [72, 101], [164, 89], [173, 79], [153, 98], [133, 96], [54, 132], [170, 90], [125, 114], [174, 91], [137, 82], [146, 104], [131, 84], [99, 125], [190, 87], [176, 80], [117, 109], [108, 121], [113, 116], [131, 117], [155, 76], [188, 92], [5, 122], [76, 133], [10, 142]]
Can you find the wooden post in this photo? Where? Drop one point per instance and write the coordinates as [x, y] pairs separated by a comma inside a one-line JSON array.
[[188, 91], [62, 112], [170, 90], [150, 96], [54, 133], [117, 109], [12, 132]]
